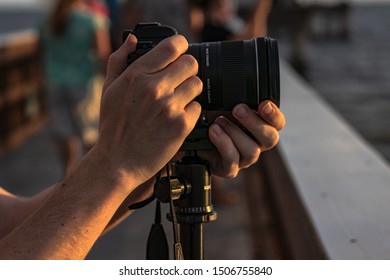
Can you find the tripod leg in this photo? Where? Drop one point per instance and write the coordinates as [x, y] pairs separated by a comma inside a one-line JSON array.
[[191, 236]]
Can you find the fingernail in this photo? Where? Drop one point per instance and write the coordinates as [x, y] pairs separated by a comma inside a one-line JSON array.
[[217, 129], [221, 121], [240, 111], [267, 109]]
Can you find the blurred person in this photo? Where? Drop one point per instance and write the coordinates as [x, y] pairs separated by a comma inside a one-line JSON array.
[[88, 108], [196, 19], [98, 7], [130, 15], [147, 111], [75, 47], [174, 13], [113, 8], [223, 23], [168, 12]]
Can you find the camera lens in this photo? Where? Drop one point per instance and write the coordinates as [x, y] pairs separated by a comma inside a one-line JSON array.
[[237, 72]]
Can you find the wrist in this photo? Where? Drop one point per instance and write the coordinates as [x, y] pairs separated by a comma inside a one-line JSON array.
[[102, 166]]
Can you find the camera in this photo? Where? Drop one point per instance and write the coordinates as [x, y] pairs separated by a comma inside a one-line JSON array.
[[232, 72]]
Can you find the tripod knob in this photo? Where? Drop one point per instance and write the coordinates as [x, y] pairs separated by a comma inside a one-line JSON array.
[[174, 188]]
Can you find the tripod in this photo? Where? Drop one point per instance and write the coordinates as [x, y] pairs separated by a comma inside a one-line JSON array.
[[194, 208], [188, 190]]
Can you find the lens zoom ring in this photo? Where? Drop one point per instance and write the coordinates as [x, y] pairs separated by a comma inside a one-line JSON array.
[[233, 73]]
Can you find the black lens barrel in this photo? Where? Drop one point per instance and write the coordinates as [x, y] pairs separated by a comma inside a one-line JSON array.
[[237, 72]]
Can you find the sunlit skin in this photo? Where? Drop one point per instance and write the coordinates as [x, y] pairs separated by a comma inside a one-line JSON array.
[[147, 111]]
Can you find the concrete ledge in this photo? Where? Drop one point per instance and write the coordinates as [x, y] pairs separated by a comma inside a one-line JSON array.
[[343, 183]]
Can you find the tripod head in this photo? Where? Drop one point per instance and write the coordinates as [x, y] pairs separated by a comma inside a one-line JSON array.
[[188, 190]]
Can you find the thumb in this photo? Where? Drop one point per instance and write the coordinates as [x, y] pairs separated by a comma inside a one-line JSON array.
[[117, 62]]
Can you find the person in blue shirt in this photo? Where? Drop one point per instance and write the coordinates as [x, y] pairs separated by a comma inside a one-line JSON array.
[[75, 45]]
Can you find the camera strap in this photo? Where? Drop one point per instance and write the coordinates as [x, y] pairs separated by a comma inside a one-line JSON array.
[[157, 245], [177, 248]]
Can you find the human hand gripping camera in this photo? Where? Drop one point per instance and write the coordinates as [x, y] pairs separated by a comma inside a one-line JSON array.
[[148, 110], [232, 72]]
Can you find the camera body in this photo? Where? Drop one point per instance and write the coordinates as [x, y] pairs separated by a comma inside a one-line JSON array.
[[232, 72], [148, 35]]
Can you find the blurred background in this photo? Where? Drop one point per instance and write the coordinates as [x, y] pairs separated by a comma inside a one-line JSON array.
[[339, 47]]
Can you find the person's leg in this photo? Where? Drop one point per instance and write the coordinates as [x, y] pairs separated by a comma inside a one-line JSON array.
[[62, 126]]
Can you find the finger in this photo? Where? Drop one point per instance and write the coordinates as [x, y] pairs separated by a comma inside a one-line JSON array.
[[184, 67], [248, 149], [117, 62], [188, 90], [266, 135], [229, 163], [193, 110], [167, 51], [271, 113]]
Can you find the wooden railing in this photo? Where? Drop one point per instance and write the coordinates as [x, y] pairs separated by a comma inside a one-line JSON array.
[[22, 99]]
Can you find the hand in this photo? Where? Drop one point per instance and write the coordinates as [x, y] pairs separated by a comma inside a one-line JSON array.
[[235, 149], [147, 108]]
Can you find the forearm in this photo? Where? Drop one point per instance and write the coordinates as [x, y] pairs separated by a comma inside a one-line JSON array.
[[14, 209], [68, 223]]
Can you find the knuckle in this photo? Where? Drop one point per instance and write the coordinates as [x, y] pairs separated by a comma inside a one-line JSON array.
[[174, 45], [231, 168], [232, 172], [181, 41], [191, 63], [194, 85], [251, 157], [277, 119], [272, 139], [167, 107], [154, 89], [198, 84]]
